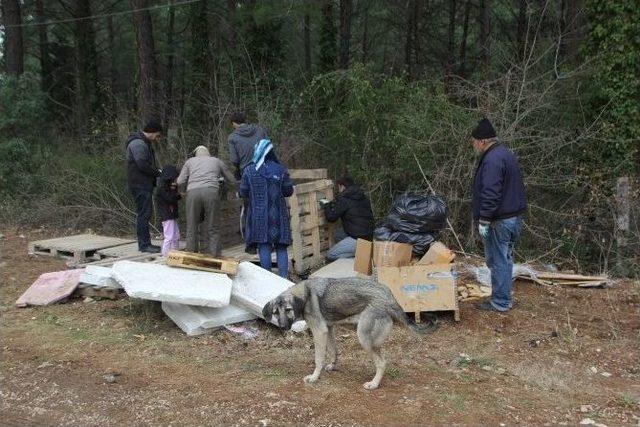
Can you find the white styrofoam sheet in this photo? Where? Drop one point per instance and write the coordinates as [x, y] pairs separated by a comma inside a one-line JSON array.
[[195, 320], [163, 283], [254, 286], [338, 269], [99, 276]]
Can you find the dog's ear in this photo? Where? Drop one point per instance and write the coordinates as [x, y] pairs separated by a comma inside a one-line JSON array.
[[267, 310], [298, 307]]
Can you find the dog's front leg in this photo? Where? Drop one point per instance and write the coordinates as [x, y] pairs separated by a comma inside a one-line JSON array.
[[320, 332], [332, 349]]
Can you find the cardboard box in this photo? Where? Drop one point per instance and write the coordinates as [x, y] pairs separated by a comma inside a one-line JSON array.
[[364, 256], [438, 253], [391, 254], [421, 287]]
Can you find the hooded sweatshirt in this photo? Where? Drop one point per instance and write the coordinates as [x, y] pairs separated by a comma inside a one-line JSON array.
[[242, 142], [204, 171], [141, 162], [167, 197], [353, 207]]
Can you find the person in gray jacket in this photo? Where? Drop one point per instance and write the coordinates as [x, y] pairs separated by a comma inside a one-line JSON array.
[[202, 175], [142, 172], [242, 141]]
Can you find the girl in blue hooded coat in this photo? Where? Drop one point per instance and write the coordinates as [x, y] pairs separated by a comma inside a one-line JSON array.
[[266, 183]]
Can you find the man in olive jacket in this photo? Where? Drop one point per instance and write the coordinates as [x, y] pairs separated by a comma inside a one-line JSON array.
[[142, 172]]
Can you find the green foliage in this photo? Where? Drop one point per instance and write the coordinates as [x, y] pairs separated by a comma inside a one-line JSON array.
[[379, 129], [613, 43], [22, 107]]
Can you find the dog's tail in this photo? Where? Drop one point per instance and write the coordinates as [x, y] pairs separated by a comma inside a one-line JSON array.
[[401, 317]]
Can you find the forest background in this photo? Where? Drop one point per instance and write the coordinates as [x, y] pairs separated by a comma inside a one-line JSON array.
[[385, 91]]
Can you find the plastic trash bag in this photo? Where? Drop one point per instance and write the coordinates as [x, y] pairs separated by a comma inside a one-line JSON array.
[[420, 241], [417, 213]]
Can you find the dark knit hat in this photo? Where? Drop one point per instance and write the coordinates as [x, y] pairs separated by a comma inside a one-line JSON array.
[[484, 130], [152, 126]]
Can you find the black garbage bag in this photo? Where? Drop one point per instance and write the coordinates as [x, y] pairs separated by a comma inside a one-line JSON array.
[[420, 241], [417, 213]]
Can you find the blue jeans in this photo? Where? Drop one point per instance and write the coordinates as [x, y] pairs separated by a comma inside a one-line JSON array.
[[143, 199], [264, 249], [498, 251], [345, 248]]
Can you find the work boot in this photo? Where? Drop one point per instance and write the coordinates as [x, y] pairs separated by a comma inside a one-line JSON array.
[[151, 249]]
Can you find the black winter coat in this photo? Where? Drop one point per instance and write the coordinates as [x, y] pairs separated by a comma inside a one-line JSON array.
[[142, 170], [354, 208], [167, 197], [498, 188]]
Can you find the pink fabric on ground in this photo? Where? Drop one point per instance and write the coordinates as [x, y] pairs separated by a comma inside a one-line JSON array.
[[50, 288], [171, 236]]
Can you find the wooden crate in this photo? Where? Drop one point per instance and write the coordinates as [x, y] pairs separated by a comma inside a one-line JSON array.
[[422, 288], [312, 233], [201, 262]]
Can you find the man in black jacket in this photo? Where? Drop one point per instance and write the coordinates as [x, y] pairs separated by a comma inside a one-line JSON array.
[[353, 207], [498, 204], [142, 172]]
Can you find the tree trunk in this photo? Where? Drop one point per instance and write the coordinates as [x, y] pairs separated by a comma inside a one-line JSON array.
[[147, 60], [231, 23], [168, 110], [86, 64], [13, 44], [365, 36], [574, 35], [307, 44], [451, 39], [43, 47], [327, 38], [485, 32], [521, 35], [345, 33], [408, 41], [111, 43], [463, 42]]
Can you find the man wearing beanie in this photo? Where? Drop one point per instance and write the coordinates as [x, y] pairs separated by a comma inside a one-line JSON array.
[[498, 204], [142, 172]]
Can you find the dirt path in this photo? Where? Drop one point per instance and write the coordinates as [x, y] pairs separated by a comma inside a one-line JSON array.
[[563, 355]]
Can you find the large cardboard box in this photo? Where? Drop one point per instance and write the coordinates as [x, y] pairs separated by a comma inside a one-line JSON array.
[[391, 254], [421, 287], [364, 256]]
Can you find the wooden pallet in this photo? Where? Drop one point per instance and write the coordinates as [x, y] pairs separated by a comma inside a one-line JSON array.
[[417, 314], [201, 262], [95, 292], [312, 233], [80, 248], [108, 262]]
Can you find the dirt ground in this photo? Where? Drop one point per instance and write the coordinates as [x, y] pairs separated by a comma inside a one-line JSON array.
[[562, 355]]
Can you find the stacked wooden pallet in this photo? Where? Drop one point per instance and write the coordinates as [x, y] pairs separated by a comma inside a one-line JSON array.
[[312, 233]]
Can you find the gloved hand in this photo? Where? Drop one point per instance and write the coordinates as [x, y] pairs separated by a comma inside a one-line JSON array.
[[323, 202], [483, 229]]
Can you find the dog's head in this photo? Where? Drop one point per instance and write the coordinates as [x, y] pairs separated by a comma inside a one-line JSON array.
[[285, 309]]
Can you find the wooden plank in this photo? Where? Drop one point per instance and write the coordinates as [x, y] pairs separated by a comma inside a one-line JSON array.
[[564, 276], [201, 262], [308, 173], [126, 250], [308, 187]]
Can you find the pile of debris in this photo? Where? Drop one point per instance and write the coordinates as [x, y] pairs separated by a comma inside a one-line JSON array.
[[197, 301]]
